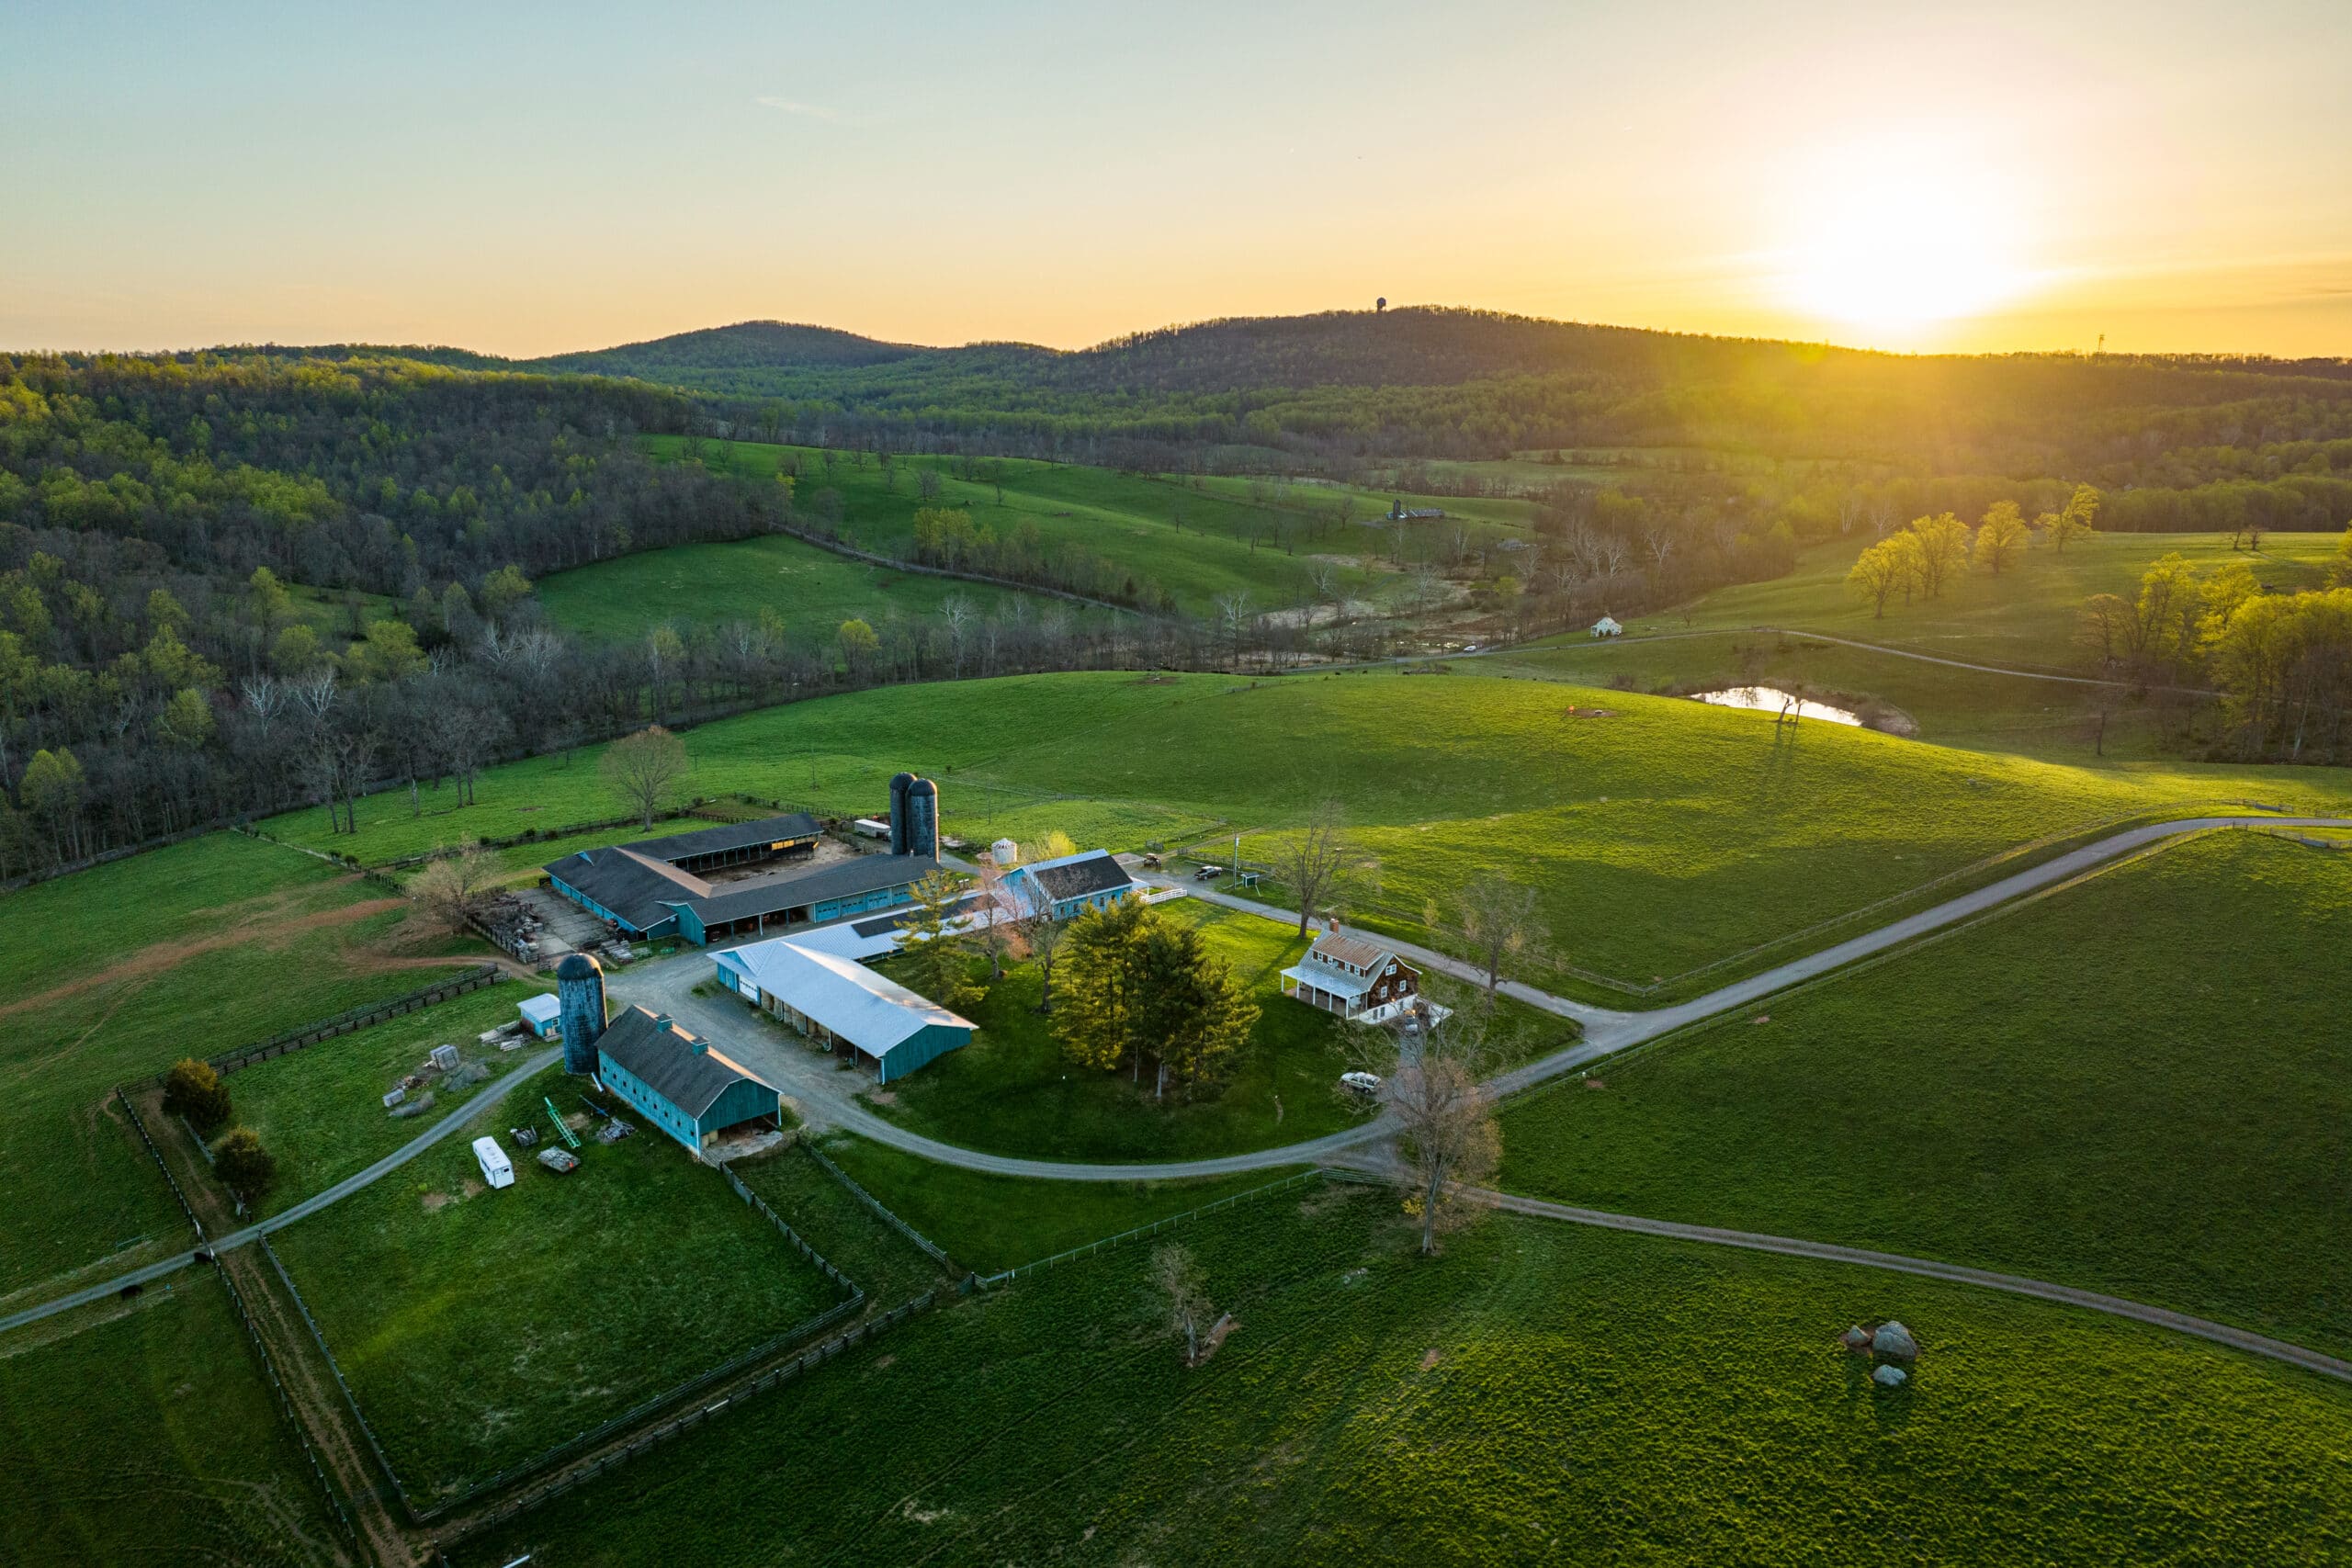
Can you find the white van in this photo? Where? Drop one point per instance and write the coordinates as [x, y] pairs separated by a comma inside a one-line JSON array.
[[496, 1169]]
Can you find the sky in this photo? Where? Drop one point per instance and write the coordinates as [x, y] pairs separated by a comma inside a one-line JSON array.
[[526, 179]]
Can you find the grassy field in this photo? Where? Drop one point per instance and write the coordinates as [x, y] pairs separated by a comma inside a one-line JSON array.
[[117, 973], [886, 1265], [1668, 835], [992, 1223], [2025, 617], [812, 590], [321, 1111], [1196, 544], [144, 1433], [1013, 1092], [1541, 1393], [2139, 1084], [477, 1328]]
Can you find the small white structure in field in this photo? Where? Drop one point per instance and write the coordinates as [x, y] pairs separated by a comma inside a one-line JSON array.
[[542, 1015], [1004, 852], [1607, 627], [870, 827], [496, 1169], [446, 1058]]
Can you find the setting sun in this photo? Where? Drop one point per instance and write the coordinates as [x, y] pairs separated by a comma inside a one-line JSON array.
[[1896, 236]]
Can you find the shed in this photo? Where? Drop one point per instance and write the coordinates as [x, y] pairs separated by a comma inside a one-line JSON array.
[[839, 1002], [540, 1015], [496, 1169], [1606, 627]]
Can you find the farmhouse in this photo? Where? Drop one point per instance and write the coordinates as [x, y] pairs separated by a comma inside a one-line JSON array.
[[681, 1084], [1069, 885], [656, 887], [1607, 627], [1353, 977], [842, 1005]]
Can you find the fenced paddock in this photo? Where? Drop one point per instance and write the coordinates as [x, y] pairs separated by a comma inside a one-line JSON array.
[[309, 1034]]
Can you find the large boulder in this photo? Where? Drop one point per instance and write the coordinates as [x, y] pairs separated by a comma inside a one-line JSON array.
[[1894, 1342], [1890, 1377]]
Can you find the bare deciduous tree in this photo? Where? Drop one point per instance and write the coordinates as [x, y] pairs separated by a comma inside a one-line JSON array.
[[1497, 919], [1448, 1146], [1315, 858], [1176, 1279], [642, 767], [450, 889]]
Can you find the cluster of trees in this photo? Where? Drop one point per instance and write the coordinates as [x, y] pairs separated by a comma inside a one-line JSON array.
[[946, 536], [2281, 663], [1142, 993], [1921, 559], [193, 1091]]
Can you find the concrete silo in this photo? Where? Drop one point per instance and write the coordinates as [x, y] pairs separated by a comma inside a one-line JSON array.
[[580, 1003], [898, 783], [921, 830]]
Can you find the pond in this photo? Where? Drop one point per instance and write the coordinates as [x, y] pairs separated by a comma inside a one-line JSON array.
[[1771, 699]]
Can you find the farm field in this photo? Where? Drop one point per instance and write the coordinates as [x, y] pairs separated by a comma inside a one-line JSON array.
[[992, 1223], [1196, 545], [479, 1327], [2138, 1084], [809, 589], [1540, 1392], [2025, 617], [144, 1433], [1013, 1092], [887, 1266], [201, 947], [320, 1110], [1702, 832]]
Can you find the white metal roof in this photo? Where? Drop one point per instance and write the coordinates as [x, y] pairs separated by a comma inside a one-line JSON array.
[[1323, 977], [871, 1013], [541, 1008]]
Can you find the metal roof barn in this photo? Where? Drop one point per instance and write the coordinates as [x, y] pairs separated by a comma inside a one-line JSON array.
[[834, 999]]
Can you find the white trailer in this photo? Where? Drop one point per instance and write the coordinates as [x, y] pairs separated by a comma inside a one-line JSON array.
[[496, 1169]]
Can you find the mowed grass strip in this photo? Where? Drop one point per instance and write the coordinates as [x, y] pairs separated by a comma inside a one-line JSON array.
[[2138, 1085], [113, 974], [143, 1432], [321, 1111], [1670, 836], [1540, 1394], [481, 1327]]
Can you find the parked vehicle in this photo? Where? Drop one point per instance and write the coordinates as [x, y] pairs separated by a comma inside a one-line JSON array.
[[1366, 1084], [1208, 873]]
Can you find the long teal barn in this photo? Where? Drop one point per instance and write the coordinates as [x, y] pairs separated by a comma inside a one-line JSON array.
[[678, 1083]]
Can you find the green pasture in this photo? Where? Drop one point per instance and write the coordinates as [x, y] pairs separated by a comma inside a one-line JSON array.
[[1540, 1394], [811, 591], [1013, 1092], [2139, 1084], [1197, 545], [991, 1223], [2025, 617], [888, 1266], [479, 1326], [113, 974], [1668, 835], [144, 1433], [320, 1110]]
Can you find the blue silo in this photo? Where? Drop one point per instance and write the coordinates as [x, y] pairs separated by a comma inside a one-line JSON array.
[[579, 1004], [898, 783], [923, 819]]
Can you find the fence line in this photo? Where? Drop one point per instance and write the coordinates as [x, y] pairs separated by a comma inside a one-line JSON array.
[[139, 1123], [1092, 1248], [794, 1236], [930, 1248], [335, 1366], [286, 1407], [686, 1421], [309, 1034]]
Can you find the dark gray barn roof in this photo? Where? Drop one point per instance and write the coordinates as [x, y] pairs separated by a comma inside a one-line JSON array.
[[1076, 876], [728, 836], [636, 888], [812, 885], [663, 1057]]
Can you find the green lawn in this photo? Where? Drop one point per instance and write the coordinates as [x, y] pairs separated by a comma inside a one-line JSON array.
[[145, 1433], [991, 1223], [2025, 617], [1542, 1393], [1197, 544], [812, 590], [1011, 1090], [321, 1111], [886, 1265], [1671, 836], [117, 973], [2140, 1085], [477, 1328]]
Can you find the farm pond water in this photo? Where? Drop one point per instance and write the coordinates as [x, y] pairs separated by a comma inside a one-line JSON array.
[[1771, 699]]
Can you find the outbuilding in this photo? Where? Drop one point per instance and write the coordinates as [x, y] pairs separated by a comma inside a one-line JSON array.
[[842, 1005], [1607, 627], [679, 1083], [540, 1015], [496, 1169], [1068, 885]]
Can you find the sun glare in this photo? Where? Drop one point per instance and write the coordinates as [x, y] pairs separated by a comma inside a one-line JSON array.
[[1899, 238]]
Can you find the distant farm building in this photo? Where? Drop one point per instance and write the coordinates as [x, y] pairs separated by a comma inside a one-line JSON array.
[[657, 888], [1354, 978], [679, 1083], [540, 1014], [1400, 513], [1069, 885], [1607, 627], [842, 1005]]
